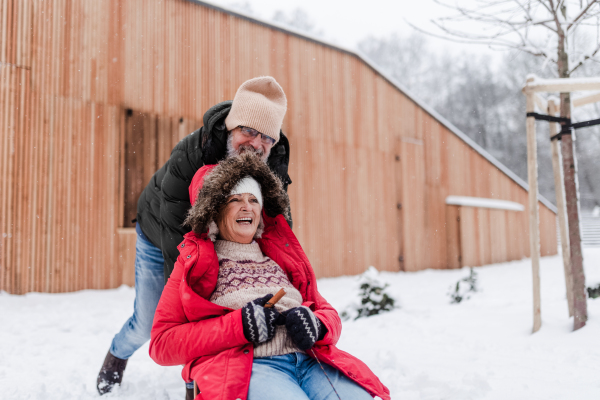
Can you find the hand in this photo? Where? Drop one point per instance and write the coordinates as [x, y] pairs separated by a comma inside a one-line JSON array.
[[259, 322], [304, 327]]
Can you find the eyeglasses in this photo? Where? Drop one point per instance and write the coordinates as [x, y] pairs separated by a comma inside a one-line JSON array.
[[252, 133]]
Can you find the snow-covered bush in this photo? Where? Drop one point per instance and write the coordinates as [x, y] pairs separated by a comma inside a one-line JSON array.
[[594, 292], [463, 288], [372, 297]]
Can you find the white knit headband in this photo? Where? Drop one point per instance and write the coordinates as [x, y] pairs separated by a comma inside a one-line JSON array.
[[248, 185]]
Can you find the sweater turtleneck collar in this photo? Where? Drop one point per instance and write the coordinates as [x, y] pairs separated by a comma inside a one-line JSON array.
[[239, 251]]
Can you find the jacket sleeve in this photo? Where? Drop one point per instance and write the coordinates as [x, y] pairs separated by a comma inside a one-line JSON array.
[[329, 317], [174, 340], [278, 162], [185, 160]]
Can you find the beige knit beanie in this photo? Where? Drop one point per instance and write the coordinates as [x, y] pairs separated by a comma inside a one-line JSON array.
[[258, 104]]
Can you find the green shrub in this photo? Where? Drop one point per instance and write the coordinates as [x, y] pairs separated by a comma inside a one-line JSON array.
[[594, 292], [373, 298], [463, 288]]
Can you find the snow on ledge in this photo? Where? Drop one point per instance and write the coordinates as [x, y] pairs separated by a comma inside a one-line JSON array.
[[537, 84], [561, 81], [484, 203]]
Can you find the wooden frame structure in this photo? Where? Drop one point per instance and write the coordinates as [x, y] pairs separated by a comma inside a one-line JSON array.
[[532, 88]]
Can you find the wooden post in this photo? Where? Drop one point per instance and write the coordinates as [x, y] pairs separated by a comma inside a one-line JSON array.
[[582, 101], [561, 209], [565, 85], [534, 226], [541, 103]]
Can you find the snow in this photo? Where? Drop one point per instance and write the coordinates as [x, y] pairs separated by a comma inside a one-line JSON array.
[[592, 82], [484, 203], [52, 345]]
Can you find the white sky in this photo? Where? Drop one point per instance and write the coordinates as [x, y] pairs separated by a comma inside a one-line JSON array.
[[346, 22]]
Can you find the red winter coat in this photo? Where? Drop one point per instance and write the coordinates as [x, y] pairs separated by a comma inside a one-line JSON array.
[[208, 338]]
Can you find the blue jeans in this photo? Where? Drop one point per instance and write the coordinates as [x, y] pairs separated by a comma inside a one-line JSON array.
[[296, 376], [149, 284]]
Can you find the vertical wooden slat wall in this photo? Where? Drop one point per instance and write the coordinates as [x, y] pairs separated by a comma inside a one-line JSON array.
[[370, 168]]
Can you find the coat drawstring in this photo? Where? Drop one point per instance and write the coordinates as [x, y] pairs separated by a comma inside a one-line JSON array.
[[272, 303], [326, 376]]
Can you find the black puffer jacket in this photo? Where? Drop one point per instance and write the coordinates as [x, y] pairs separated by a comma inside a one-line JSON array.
[[164, 203]]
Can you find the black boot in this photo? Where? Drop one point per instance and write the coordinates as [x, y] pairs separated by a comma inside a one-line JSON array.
[[110, 374]]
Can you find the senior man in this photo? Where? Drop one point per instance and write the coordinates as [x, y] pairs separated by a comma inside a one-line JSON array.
[[252, 122]]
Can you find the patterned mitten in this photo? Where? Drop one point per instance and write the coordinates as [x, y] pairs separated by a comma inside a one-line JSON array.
[[304, 327], [259, 322]]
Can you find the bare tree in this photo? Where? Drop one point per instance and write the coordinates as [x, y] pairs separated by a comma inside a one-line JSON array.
[[551, 29]]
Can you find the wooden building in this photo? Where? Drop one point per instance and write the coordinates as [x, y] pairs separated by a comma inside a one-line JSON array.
[[94, 94]]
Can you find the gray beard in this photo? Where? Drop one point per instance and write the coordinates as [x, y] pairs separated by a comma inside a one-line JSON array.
[[231, 152]]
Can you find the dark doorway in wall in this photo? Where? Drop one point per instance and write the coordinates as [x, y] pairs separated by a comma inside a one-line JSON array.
[[141, 159], [147, 144]]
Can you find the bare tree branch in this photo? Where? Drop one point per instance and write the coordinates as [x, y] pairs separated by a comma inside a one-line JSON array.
[[581, 21], [514, 24], [582, 13], [549, 9], [555, 15], [588, 57], [489, 41]]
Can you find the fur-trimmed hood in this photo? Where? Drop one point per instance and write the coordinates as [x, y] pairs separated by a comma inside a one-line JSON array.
[[212, 184]]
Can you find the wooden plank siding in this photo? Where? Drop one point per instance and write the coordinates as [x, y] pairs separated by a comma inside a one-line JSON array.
[[371, 169]]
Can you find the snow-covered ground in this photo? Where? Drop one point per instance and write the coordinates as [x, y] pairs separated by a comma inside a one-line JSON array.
[[52, 345]]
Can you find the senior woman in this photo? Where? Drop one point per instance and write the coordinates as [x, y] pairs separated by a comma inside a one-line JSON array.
[[211, 315]]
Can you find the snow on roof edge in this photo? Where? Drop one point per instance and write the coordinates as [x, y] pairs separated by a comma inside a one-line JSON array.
[[364, 58], [498, 204]]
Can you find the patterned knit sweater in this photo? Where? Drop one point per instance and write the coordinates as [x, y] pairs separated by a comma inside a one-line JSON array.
[[246, 274]]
